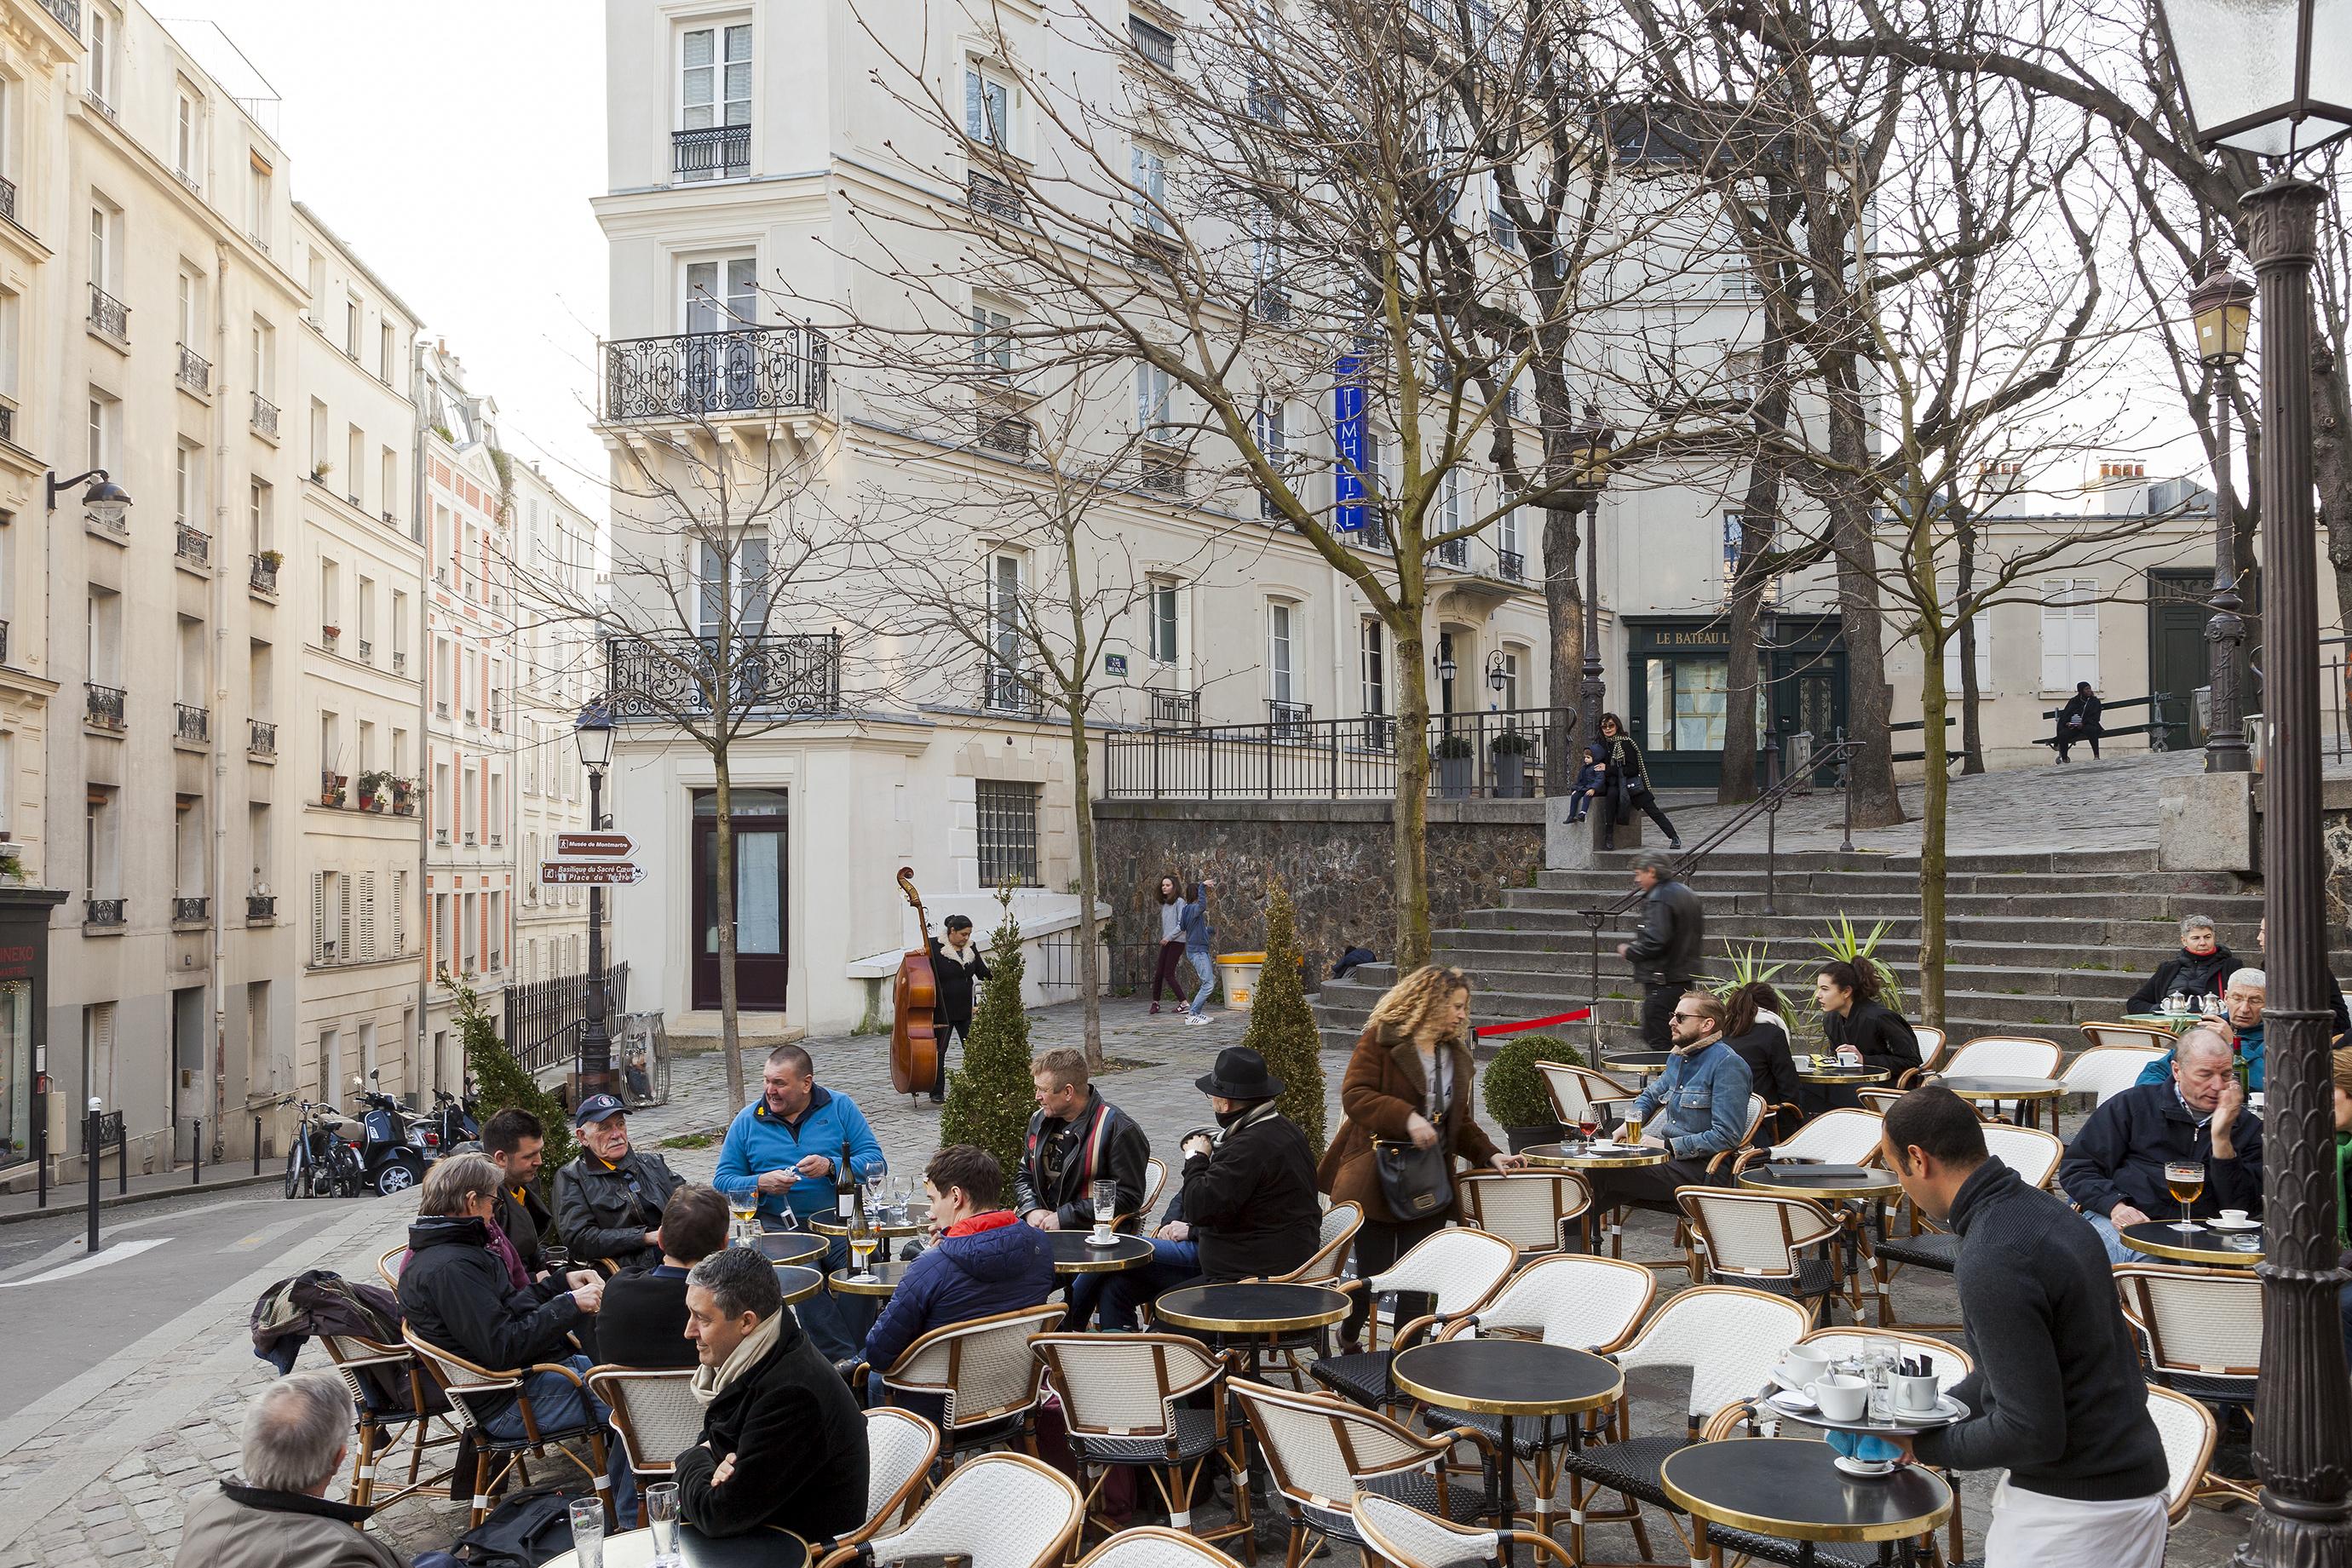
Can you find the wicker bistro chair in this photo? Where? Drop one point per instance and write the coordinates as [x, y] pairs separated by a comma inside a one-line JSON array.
[[1402, 1536], [1127, 1400], [1932, 1043], [900, 1448], [1720, 1168], [1845, 1136], [1574, 1091], [1155, 1182], [1321, 1452], [389, 1394], [983, 1375], [1768, 1241], [2003, 1056], [2032, 1153], [654, 1411], [1460, 1267], [2105, 1070], [1730, 1338], [1529, 1209], [474, 1393], [2202, 1331], [1000, 1510], [1327, 1266], [2134, 1036], [1154, 1546], [387, 1266]]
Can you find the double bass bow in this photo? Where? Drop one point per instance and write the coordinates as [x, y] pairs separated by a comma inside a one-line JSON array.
[[915, 999]]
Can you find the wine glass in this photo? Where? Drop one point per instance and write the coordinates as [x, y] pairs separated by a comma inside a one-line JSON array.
[[862, 1242], [878, 1178], [742, 1207], [1588, 1123], [2185, 1179]]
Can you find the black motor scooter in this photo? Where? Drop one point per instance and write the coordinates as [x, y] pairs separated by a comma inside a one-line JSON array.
[[451, 1124], [390, 1156]]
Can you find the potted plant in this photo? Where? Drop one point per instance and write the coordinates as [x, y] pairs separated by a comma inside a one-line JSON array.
[[12, 863], [1509, 750], [320, 469], [1513, 1087], [374, 790], [273, 559], [1456, 762], [402, 791]]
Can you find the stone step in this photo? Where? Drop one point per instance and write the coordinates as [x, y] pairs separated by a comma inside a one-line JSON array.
[[1712, 881], [2022, 864], [2077, 933], [2167, 908]]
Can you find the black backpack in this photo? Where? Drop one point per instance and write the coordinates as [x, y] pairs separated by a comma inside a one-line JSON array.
[[525, 1529]]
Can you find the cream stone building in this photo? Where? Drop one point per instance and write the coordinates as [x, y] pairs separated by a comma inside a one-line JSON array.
[[556, 545]]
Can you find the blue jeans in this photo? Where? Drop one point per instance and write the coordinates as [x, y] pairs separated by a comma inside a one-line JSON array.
[[1172, 1264], [556, 1403], [2117, 1252], [1204, 965]]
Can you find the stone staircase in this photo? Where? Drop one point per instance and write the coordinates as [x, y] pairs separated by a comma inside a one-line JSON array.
[[2037, 944]]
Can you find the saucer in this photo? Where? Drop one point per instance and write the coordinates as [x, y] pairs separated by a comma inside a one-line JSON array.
[[1782, 1380], [1792, 1401], [2235, 1224], [1093, 1241], [1947, 1410], [1868, 1470]]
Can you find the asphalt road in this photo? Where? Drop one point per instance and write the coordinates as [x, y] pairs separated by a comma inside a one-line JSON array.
[[154, 1261]]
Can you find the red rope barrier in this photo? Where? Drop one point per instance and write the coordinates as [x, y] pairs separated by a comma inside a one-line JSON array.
[[1579, 1016]]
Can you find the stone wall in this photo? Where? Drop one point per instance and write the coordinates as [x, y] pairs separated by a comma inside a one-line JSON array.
[[1336, 858]]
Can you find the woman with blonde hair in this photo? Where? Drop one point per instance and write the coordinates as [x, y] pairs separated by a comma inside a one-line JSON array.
[[1407, 1083]]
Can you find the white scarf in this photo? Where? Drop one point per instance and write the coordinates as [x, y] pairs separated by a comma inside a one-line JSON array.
[[709, 1382]]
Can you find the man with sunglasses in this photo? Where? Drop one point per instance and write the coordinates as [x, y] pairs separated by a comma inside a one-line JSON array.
[[1694, 1109]]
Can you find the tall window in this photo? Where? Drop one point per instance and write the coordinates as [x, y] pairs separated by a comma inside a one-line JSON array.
[[715, 84], [1280, 685], [722, 295], [187, 477], [101, 248], [256, 212], [1510, 679], [187, 139], [1507, 540], [192, 326], [1153, 399], [992, 341], [384, 336], [1004, 688], [1163, 622], [265, 359], [734, 587], [2069, 631], [1007, 814], [1148, 172], [987, 107], [105, 42], [1373, 642], [257, 512]]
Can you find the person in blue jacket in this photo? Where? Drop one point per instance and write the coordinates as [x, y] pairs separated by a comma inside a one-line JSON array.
[[788, 1143], [984, 1262], [2241, 1011], [1585, 785], [1198, 934]]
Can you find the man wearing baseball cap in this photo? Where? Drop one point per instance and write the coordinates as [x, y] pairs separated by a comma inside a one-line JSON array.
[[609, 1199], [1247, 1208]]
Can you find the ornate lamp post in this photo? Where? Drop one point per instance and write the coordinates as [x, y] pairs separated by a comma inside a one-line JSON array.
[[2223, 305], [593, 732], [2256, 80], [1593, 440]]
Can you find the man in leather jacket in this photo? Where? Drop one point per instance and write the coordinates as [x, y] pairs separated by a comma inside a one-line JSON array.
[[609, 1198], [1666, 949]]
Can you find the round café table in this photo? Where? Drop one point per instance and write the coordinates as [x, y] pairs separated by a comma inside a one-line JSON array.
[[1579, 1155], [2215, 1249], [763, 1547], [1858, 1184], [1847, 1077], [2173, 1023], [1511, 1379], [797, 1283], [788, 1247], [918, 1222], [841, 1281], [1644, 1062], [1252, 1311], [1790, 1489], [1075, 1253], [2029, 1093]]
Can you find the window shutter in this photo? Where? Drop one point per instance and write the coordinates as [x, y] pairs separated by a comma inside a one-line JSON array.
[[367, 917], [318, 917], [2057, 637], [343, 918]]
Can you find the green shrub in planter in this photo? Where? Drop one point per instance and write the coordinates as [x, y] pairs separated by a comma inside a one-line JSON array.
[[1510, 743], [1451, 746], [1514, 1090]]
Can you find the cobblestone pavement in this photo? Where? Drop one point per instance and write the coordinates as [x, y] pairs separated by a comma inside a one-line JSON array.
[[100, 1470]]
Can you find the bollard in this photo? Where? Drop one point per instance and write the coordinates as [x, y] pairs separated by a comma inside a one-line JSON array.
[[196, 1166], [41, 1135], [122, 1154], [93, 1143], [257, 1142]]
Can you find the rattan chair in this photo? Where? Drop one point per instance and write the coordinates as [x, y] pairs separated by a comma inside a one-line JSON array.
[[1933, 1041], [1768, 1242], [476, 1393], [1845, 1136], [1155, 1181], [1402, 1536], [1326, 1266], [2133, 1036], [1721, 1166], [654, 1411], [1153, 1546], [1460, 1267], [1574, 1091], [2032, 1153], [2105, 1070], [1320, 1452], [388, 1386], [999, 1510], [1529, 1209], [2202, 1332], [900, 1448], [984, 1375], [2003, 1056], [1127, 1400], [387, 1267], [1730, 1338]]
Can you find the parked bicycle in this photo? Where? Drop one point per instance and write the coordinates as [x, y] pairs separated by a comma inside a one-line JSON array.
[[453, 1121], [321, 1161]]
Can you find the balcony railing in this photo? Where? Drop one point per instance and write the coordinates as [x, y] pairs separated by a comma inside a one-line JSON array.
[[195, 545], [191, 911], [102, 912], [1288, 720], [103, 705], [261, 738], [263, 577], [367, 652], [196, 371], [685, 375], [995, 198], [193, 723], [66, 11], [110, 315], [260, 906], [1496, 754], [3, 642], [8, 199], [712, 153], [1160, 471], [791, 675], [8, 424], [399, 663], [265, 416], [1511, 564], [1005, 433], [440, 707], [1455, 553], [1008, 693], [1175, 710]]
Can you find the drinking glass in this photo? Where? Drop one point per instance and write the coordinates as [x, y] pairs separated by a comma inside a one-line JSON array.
[[559, 1259], [661, 1517], [588, 1531], [862, 1241], [877, 1177], [743, 1208], [1880, 1357], [1588, 1123], [2185, 1179], [1633, 1129], [1106, 1196]]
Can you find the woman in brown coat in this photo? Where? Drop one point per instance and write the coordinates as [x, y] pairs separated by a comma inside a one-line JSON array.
[[1409, 1080]]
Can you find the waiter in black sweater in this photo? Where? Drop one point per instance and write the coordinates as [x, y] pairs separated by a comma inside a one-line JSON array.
[[956, 967], [2057, 1394]]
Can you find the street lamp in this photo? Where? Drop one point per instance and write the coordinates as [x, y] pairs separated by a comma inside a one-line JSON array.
[[593, 734], [2256, 80], [106, 501], [1592, 442], [2223, 305]]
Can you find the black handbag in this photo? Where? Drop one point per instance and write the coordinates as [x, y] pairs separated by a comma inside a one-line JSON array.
[[1415, 1183]]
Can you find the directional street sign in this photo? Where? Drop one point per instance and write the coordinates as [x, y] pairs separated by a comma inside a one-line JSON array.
[[595, 846], [588, 873]]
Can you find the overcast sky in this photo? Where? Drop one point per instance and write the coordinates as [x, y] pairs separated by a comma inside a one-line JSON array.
[[456, 147]]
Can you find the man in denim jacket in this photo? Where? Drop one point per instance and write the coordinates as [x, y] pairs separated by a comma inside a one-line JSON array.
[[1694, 1111]]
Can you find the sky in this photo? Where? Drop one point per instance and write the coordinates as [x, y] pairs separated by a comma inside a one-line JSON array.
[[456, 146]]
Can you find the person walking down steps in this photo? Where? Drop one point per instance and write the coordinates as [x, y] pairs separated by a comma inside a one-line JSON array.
[[1624, 786]]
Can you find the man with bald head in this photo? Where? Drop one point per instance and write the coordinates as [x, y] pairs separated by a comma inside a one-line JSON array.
[[2115, 1167]]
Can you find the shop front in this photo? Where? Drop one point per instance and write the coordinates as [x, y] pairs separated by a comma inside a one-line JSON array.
[[24, 1003], [1677, 692]]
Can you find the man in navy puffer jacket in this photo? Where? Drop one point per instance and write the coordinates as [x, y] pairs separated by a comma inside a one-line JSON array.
[[984, 1261]]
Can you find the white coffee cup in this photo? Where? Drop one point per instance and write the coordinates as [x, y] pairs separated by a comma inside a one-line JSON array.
[[1840, 1398], [2233, 1217], [1804, 1363], [1915, 1395]]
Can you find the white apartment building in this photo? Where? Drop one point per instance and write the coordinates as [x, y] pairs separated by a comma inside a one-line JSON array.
[[556, 545], [355, 738]]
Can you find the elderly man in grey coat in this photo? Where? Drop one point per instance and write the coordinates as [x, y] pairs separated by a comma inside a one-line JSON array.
[[274, 1513]]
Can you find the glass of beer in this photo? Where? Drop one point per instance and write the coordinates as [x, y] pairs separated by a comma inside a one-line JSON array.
[[1632, 1130], [2185, 1179], [744, 1208], [1106, 1200]]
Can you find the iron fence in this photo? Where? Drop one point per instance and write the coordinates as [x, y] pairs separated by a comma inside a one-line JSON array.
[[543, 1016], [1497, 755]]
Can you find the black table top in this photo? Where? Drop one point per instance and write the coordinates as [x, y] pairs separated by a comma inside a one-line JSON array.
[[1637, 1060], [887, 1277], [1792, 1488], [1252, 1308], [2233, 1249], [1828, 1178], [1075, 1253], [1506, 1376], [797, 1283], [789, 1246]]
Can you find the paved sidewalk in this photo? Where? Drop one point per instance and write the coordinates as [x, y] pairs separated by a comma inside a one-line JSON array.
[[74, 1195]]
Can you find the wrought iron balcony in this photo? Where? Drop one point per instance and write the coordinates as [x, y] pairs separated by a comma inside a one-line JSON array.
[[195, 545], [1175, 710], [1289, 720], [688, 375], [264, 576], [3, 642], [265, 416], [261, 738], [1008, 693], [995, 198], [399, 663], [110, 315], [1273, 302], [196, 371], [712, 152], [260, 906], [1008, 433], [792, 675], [1161, 470], [194, 724], [102, 912], [1455, 553], [103, 705], [191, 911], [1511, 564], [66, 11], [8, 424], [8, 199], [367, 652]]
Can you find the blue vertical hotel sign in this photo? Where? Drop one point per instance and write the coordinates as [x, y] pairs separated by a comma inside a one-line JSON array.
[[1348, 441]]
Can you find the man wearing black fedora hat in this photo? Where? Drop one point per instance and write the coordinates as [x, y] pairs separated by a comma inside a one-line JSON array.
[[1246, 1207]]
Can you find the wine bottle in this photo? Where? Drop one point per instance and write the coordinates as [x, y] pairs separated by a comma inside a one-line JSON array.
[[845, 1185]]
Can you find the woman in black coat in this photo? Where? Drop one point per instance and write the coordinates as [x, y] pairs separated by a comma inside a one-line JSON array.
[[2078, 721], [2202, 965], [957, 966], [1853, 1015], [1624, 786], [1756, 1026]]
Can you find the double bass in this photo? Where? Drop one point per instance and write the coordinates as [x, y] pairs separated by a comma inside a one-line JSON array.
[[914, 1007]]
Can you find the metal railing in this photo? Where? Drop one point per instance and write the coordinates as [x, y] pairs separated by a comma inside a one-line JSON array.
[[102, 912], [261, 738], [1008, 433], [191, 911], [712, 152], [260, 906], [108, 315], [66, 11], [265, 415], [1008, 693], [196, 371], [195, 546], [1500, 754], [543, 1016], [995, 198], [1289, 720], [1511, 565], [1455, 553], [3, 642], [103, 705], [1175, 710], [192, 723], [263, 577], [685, 375], [367, 652]]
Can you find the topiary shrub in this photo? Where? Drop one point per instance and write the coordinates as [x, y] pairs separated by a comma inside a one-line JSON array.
[[1513, 1086], [991, 1095], [1281, 1025], [499, 1080]]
